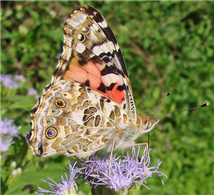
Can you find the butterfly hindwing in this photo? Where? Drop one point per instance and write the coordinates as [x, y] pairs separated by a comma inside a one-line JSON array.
[[72, 119]]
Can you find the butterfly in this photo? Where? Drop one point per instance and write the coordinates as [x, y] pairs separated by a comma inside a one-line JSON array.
[[88, 105]]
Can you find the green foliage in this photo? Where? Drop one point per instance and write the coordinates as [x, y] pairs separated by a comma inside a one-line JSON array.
[[167, 46]]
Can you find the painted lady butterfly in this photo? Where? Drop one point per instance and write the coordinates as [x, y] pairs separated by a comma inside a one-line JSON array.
[[88, 105]]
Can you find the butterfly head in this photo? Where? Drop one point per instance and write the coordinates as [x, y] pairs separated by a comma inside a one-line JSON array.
[[145, 124]]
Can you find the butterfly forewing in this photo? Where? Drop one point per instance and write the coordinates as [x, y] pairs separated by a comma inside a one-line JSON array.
[[91, 56]]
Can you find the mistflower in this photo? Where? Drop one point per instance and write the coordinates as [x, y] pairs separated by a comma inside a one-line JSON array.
[[32, 91], [20, 77], [68, 185], [5, 143], [7, 127], [125, 171], [8, 81], [7, 131]]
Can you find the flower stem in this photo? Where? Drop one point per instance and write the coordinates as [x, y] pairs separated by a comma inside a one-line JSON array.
[[102, 189]]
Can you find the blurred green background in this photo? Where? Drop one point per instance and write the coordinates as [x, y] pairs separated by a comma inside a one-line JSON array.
[[167, 46]]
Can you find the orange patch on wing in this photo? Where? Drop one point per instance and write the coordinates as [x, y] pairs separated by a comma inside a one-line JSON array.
[[76, 73], [93, 68], [117, 95], [83, 73], [92, 73]]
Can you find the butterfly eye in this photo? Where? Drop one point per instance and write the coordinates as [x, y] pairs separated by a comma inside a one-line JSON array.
[[51, 133], [60, 103]]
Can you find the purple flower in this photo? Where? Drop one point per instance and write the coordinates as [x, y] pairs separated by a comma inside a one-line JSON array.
[[32, 91], [7, 127], [7, 130], [68, 185], [20, 77], [8, 81], [5, 143], [125, 171]]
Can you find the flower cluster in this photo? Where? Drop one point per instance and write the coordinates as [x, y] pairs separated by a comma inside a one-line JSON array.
[[20, 77], [13, 82], [10, 81], [125, 171], [68, 185], [8, 130]]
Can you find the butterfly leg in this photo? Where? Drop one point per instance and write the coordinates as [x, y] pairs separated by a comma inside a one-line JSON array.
[[112, 149], [147, 149]]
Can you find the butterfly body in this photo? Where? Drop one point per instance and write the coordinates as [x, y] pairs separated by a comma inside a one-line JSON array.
[[88, 104]]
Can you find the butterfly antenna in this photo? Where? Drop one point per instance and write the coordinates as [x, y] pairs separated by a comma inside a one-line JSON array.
[[168, 94], [203, 105]]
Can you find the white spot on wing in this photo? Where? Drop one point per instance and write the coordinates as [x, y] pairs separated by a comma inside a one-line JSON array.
[[103, 24], [80, 36], [80, 48], [97, 50], [104, 47], [109, 79]]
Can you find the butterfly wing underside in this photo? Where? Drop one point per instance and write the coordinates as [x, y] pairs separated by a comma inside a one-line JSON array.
[[91, 56], [89, 93]]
